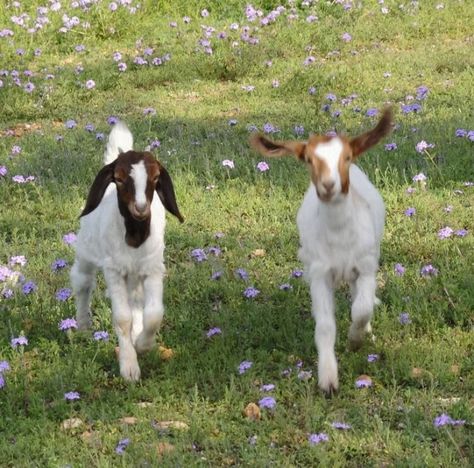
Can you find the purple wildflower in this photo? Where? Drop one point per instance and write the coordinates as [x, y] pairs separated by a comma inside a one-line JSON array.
[[198, 255], [89, 127], [444, 420], [90, 84], [122, 66], [305, 375], [17, 260], [285, 287], [16, 149], [299, 130], [149, 111], [121, 446], [7, 293], [262, 166], [341, 425], [470, 135], [19, 341], [112, 119], [228, 163], [4, 366], [242, 274], [312, 90], [363, 383], [410, 212], [251, 292], [63, 294], [101, 336], [244, 366], [331, 97], [3, 171], [372, 357], [297, 273], [315, 439], [2, 381], [445, 232], [391, 146], [70, 124], [67, 324], [59, 264], [422, 146], [29, 287], [346, 37], [461, 132], [71, 396], [421, 92], [216, 275], [429, 270], [419, 177], [404, 318], [69, 238], [213, 331], [155, 144], [99, 136], [267, 387], [399, 269], [267, 402], [461, 232], [232, 122], [371, 112], [269, 128]]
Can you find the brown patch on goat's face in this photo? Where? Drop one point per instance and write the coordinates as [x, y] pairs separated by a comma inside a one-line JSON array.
[[125, 183], [345, 161]]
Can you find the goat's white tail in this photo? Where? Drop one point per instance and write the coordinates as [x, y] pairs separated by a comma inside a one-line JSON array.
[[120, 141]]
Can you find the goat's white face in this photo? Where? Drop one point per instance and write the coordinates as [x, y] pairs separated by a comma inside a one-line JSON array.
[[140, 206], [329, 165]]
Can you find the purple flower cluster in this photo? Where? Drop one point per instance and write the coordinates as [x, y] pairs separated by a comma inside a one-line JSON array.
[[267, 402], [244, 366], [446, 420], [251, 292], [315, 439], [213, 331], [72, 396], [67, 324], [101, 336], [19, 341]]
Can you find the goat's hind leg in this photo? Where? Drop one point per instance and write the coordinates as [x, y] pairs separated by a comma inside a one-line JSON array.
[[83, 283], [363, 302]]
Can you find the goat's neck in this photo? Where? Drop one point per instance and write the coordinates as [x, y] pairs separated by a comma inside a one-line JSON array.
[[137, 232], [338, 214]]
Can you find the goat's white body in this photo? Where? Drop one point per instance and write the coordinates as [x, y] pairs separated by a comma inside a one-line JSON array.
[[134, 276], [340, 241]]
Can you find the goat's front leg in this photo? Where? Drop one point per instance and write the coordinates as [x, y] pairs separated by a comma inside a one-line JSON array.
[[83, 283], [122, 320], [152, 313], [363, 302], [322, 297]]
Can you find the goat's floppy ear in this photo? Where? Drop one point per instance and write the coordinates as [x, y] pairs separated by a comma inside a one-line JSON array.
[[104, 177], [363, 142], [268, 147], [165, 190]]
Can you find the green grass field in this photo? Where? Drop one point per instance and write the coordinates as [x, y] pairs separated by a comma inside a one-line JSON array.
[[193, 80]]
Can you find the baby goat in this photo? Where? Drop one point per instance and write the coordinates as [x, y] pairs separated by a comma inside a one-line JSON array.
[[122, 233], [340, 223]]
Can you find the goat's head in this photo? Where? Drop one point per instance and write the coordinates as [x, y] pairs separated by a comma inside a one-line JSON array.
[[137, 175], [328, 157]]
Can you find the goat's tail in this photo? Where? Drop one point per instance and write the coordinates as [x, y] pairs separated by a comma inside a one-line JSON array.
[[120, 141]]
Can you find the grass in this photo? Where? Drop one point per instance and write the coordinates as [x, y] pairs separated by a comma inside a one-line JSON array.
[[425, 368]]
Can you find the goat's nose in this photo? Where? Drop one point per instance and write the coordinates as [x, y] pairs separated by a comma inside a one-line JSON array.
[[328, 185], [140, 207]]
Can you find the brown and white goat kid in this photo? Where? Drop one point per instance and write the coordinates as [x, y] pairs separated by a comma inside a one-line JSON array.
[[340, 223], [122, 233]]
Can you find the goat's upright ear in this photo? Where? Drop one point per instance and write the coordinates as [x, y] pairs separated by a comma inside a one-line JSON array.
[[165, 190], [363, 142], [268, 147], [104, 177]]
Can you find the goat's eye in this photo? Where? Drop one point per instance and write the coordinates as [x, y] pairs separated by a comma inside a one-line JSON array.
[[348, 158], [119, 181]]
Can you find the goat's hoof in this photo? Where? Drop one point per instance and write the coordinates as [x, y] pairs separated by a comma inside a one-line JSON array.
[[130, 371], [143, 345], [329, 389], [355, 343]]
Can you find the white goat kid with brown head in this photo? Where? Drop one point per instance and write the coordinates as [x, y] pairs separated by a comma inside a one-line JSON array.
[[340, 222], [122, 233]]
